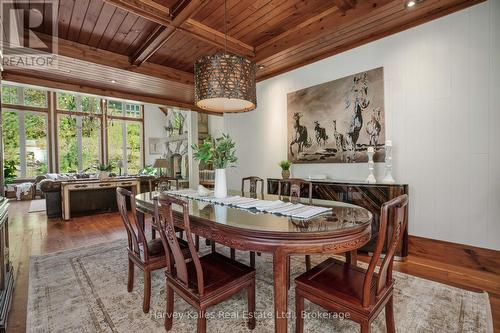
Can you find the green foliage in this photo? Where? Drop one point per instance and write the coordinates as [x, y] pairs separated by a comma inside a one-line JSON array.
[[9, 95], [66, 101], [149, 170], [35, 97], [285, 165], [104, 167], [220, 152], [9, 171]]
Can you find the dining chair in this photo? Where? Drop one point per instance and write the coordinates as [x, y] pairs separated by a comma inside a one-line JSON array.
[[342, 287], [252, 191], [203, 281], [148, 255], [153, 183], [294, 187]]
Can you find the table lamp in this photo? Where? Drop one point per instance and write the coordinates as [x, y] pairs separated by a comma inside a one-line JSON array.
[[160, 163]]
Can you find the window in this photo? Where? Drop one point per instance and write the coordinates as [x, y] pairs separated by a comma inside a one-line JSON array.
[[26, 96], [25, 142], [79, 132], [125, 135], [25, 131]]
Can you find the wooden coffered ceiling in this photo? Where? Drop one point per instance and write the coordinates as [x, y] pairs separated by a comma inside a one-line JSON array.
[[146, 49]]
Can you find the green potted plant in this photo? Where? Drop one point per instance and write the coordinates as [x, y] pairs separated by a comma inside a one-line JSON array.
[[221, 153], [104, 170], [285, 168]]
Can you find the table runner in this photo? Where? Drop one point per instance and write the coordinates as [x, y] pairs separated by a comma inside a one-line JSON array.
[[278, 207]]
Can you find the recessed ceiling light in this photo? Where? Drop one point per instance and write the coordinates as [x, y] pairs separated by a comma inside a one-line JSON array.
[[261, 66], [113, 81], [411, 3]]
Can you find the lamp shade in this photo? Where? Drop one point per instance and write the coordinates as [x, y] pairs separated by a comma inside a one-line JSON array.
[[160, 163], [119, 164], [225, 83]]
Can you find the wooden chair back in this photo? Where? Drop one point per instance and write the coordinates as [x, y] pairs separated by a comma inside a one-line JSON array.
[[162, 179], [164, 218], [295, 189], [392, 220], [137, 242], [253, 186]]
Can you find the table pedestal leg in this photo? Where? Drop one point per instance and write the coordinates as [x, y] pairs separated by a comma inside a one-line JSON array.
[[280, 266]]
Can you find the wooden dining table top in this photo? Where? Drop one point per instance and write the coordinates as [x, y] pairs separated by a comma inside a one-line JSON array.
[[343, 218]]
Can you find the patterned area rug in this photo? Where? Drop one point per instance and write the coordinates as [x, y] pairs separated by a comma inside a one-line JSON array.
[[84, 290]]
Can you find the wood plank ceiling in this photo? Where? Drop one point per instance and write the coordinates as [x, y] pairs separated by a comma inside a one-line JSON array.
[[146, 49]]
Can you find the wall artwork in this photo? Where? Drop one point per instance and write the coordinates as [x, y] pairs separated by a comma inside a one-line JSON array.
[[336, 121], [155, 146]]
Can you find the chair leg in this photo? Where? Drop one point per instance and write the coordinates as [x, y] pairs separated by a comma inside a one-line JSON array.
[[153, 233], [130, 284], [252, 259], [169, 311], [389, 316], [308, 262], [201, 322], [147, 291], [365, 326], [299, 313], [212, 243], [233, 254], [251, 305], [197, 242]]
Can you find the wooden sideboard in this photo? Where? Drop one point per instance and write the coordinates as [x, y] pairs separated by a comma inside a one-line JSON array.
[[91, 186], [6, 271], [369, 196]]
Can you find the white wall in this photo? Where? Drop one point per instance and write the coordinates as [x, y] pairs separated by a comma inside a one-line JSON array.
[[215, 126], [154, 127], [442, 82]]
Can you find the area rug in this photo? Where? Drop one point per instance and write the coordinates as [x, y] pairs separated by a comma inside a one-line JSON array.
[[84, 290], [37, 206]]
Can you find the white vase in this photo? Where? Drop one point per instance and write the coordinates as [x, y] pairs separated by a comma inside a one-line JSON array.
[[220, 190]]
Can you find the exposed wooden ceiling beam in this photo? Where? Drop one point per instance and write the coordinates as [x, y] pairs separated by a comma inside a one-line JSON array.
[[33, 79], [217, 38], [316, 27], [87, 53], [147, 9], [163, 33]]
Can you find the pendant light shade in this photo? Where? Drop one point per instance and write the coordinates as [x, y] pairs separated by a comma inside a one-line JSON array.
[[225, 82]]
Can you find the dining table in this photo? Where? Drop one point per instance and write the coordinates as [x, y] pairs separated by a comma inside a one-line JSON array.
[[343, 229]]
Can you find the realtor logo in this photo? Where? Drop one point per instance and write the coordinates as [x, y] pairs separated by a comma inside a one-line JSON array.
[[29, 36]]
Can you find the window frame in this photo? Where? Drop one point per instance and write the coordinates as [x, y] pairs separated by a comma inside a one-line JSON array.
[[21, 109], [78, 114], [124, 120]]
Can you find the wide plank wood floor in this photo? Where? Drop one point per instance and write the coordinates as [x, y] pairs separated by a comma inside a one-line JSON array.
[[34, 234]]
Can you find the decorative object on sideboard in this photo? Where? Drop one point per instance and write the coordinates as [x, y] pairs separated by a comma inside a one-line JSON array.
[[371, 177], [160, 163], [225, 82], [336, 121], [285, 168], [388, 179], [221, 153], [104, 170], [120, 166]]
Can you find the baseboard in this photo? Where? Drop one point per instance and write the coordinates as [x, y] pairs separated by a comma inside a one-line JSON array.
[[472, 257]]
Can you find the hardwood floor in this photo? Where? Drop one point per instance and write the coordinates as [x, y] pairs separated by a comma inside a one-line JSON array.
[[33, 234]]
